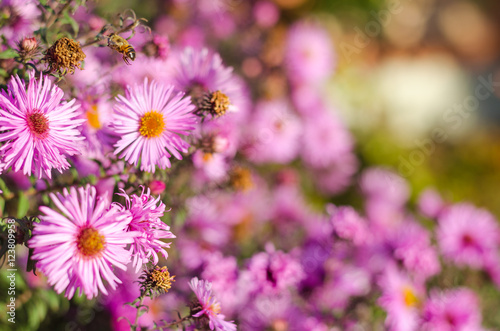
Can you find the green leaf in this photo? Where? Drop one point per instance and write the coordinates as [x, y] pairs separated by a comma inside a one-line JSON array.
[[2, 205], [71, 21], [8, 54], [23, 205]]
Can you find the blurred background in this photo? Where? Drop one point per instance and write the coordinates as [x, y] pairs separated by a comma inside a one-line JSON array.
[[415, 79]]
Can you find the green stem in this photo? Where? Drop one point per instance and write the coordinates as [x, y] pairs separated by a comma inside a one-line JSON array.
[[53, 18], [136, 321]]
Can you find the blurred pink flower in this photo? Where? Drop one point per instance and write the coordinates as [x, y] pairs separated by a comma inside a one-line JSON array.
[[274, 133], [467, 236], [401, 298], [266, 13], [430, 203], [349, 225], [19, 19], [274, 271], [309, 55], [325, 140], [201, 71], [455, 309]]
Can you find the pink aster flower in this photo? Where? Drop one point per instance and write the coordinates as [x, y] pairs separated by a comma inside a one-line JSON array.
[[325, 140], [454, 309], [274, 271], [349, 225], [201, 71], [275, 132], [78, 246], [309, 54], [430, 203], [146, 213], [149, 121], [467, 236], [401, 298], [38, 129], [209, 307]]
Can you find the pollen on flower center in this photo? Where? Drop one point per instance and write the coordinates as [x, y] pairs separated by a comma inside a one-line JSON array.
[[410, 299], [151, 124], [220, 103], [215, 104], [38, 124], [90, 242], [215, 308], [156, 280]]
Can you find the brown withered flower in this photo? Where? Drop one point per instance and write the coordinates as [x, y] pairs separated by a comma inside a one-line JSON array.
[[156, 281], [64, 55], [214, 103]]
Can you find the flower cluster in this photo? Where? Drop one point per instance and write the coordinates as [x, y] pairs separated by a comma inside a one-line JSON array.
[[222, 131]]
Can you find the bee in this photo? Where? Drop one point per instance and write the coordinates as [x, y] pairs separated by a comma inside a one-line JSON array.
[[122, 46]]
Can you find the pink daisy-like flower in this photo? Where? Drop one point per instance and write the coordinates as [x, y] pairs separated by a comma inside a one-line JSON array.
[[401, 298], [149, 121], [77, 247], [275, 132], [454, 309], [309, 56], [37, 128], [467, 236], [201, 71], [209, 307], [146, 212]]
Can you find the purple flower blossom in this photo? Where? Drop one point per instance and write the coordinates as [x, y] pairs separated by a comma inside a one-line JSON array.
[[146, 213], [201, 71], [37, 128], [309, 54], [401, 298], [149, 121], [467, 236], [78, 247], [20, 18], [349, 225], [430, 203], [274, 133], [452, 310], [209, 306], [325, 140], [274, 271]]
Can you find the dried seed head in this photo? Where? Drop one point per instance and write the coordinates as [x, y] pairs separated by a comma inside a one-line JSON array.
[[64, 56], [156, 281]]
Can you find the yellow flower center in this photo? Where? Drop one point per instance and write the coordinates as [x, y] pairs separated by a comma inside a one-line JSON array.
[[93, 117], [207, 157], [215, 307], [409, 297], [151, 124], [90, 242]]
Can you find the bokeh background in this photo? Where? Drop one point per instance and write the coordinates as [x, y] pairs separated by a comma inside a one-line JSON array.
[[404, 67]]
